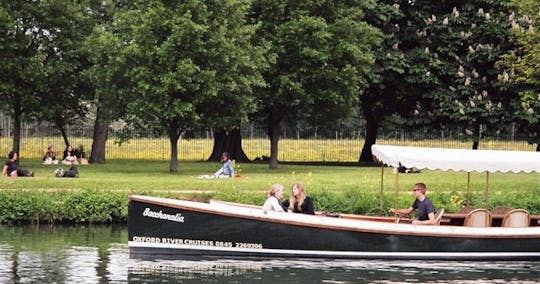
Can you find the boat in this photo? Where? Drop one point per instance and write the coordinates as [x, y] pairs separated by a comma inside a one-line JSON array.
[[170, 228]]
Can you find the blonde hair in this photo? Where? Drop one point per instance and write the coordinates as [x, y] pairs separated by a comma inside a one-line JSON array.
[[275, 188], [301, 196]]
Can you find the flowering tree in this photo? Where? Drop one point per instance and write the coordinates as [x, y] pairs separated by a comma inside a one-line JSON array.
[[521, 66], [465, 44]]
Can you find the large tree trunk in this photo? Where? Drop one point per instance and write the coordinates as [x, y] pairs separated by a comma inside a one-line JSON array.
[[173, 166], [230, 142], [99, 138], [174, 136], [274, 141], [372, 126], [273, 133], [63, 131], [476, 140], [17, 132]]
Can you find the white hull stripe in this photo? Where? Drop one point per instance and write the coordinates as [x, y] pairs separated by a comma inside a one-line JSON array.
[[133, 244]]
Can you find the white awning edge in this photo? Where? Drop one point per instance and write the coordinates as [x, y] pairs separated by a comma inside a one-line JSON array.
[[458, 159]]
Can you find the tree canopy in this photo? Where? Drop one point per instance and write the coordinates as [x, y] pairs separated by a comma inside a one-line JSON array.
[[180, 67], [186, 60], [320, 55]]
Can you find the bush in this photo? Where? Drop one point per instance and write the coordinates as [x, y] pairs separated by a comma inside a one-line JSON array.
[[77, 206]]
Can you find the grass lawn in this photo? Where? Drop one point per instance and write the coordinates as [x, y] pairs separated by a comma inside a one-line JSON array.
[[321, 181]]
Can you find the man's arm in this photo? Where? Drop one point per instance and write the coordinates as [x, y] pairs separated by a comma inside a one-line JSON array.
[[430, 221], [402, 211]]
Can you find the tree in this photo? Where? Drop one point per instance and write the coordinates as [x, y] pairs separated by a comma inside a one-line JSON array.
[[437, 67], [521, 67], [23, 34], [393, 88], [182, 56], [320, 53], [464, 41], [63, 92], [42, 62], [106, 74]]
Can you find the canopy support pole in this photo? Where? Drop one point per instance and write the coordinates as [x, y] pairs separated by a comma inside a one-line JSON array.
[[487, 189], [381, 203], [397, 190], [468, 188]]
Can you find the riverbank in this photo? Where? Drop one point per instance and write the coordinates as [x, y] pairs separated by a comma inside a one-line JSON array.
[[99, 195]]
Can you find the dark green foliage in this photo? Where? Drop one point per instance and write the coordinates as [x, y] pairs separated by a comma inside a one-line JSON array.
[[78, 206], [92, 206]]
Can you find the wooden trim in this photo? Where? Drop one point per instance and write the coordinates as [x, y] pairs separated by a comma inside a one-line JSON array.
[[405, 229]]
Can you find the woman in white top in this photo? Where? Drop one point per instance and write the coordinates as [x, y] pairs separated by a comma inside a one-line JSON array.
[[273, 203]]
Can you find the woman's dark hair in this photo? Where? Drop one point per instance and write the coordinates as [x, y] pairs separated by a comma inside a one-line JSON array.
[[223, 155], [11, 154]]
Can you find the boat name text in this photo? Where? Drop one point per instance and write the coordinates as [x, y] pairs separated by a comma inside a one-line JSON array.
[[160, 215], [191, 242]]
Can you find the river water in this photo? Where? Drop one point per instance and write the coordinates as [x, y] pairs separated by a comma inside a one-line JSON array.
[[99, 254]]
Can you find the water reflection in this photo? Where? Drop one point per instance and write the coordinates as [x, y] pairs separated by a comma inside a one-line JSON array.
[[63, 254], [99, 254], [331, 271]]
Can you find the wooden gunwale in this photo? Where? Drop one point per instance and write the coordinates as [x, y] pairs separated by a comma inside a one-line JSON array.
[[349, 225]]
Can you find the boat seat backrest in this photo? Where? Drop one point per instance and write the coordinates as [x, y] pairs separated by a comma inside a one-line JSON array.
[[438, 217], [500, 210], [517, 218], [478, 218], [466, 209]]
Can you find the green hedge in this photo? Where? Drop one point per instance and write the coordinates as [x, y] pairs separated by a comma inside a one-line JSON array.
[[93, 206], [78, 206]]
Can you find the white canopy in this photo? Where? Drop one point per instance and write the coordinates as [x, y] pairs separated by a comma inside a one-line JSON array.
[[458, 159]]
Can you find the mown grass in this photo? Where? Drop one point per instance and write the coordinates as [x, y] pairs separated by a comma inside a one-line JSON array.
[[351, 188]]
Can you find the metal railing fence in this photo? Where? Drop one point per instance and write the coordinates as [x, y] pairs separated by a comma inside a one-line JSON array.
[[343, 145]]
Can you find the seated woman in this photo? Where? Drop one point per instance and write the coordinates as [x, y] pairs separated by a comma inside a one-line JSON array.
[[50, 156], [299, 202], [227, 169], [11, 168], [274, 198], [70, 156]]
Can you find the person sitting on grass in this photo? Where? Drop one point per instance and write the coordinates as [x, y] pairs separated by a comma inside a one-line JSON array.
[[11, 167], [50, 156], [72, 172], [70, 156], [226, 170]]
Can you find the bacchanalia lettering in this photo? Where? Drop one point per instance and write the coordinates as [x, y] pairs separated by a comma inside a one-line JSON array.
[[164, 216]]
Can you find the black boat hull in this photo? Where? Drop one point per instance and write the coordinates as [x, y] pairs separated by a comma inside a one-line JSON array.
[[165, 231]]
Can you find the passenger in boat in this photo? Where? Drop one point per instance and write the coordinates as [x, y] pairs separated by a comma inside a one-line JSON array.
[[11, 167], [227, 170], [299, 202], [426, 211], [273, 202]]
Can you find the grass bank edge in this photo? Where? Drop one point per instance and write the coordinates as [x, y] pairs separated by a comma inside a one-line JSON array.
[[91, 206]]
